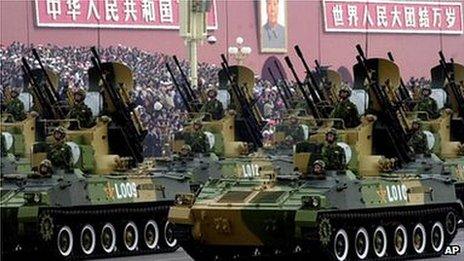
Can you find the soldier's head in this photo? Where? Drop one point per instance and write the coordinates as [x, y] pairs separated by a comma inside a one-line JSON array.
[[289, 140], [197, 125], [344, 92], [59, 134], [331, 135], [185, 150], [14, 93], [426, 91], [212, 93], [272, 9], [416, 125], [319, 167], [79, 95], [45, 167], [293, 119]]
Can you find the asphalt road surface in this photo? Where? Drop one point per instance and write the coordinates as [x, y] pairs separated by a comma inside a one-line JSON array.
[[180, 255]]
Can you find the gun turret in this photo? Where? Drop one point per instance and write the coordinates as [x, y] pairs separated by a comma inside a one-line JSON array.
[[252, 125], [190, 94], [309, 102], [122, 114], [404, 93], [43, 91], [288, 93], [312, 84], [389, 114], [183, 96], [279, 90], [453, 90]]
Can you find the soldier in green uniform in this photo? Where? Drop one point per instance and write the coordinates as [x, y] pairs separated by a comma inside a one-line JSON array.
[[15, 107], [332, 154], [319, 168], [295, 130], [81, 112], [427, 104], [213, 107], [197, 140], [345, 109], [418, 139], [45, 168], [59, 153]]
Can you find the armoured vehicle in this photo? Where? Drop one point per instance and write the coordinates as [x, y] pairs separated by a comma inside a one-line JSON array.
[[380, 207], [111, 202]]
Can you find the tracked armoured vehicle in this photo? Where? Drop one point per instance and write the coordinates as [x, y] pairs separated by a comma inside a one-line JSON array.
[[399, 206], [112, 202]]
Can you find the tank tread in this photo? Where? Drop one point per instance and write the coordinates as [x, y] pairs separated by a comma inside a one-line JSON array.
[[312, 246], [118, 217]]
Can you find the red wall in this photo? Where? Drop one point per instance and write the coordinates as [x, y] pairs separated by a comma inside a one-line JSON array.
[[415, 54]]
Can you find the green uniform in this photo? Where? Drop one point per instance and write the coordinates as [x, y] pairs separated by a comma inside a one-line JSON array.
[[428, 105], [198, 142], [347, 111], [296, 132], [16, 108], [83, 114], [334, 157], [60, 155], [418, 142], [214, 108]]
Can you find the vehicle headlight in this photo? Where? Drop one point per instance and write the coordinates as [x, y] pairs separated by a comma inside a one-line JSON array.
[[311, 201], [184, 200], [33, 198]]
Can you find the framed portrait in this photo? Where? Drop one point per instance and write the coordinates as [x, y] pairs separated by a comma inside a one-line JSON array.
[[273, 26]]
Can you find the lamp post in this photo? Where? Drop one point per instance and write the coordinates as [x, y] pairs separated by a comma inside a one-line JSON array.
[[240, 52]]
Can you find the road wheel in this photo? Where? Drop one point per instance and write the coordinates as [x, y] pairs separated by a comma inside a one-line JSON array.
[[88, 239], [437, 237], [379, 242], [419, 239], [151, 234], [130, 236], [168, 240], [340, 245], [400, 240], [361, 243], [108, 238], [64, 241]]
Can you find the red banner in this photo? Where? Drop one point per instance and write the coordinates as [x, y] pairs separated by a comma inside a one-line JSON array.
[[386, 16], [135, 14]]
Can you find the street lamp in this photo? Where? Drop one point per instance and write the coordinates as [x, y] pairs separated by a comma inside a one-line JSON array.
[[239, 51]]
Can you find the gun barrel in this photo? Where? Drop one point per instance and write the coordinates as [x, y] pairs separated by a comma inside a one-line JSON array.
[[282, 96], [181, 93]]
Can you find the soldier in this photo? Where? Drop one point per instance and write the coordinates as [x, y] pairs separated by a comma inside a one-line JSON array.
[[295, 131], [427, 103], [185, 151], [332, 154], [197, 140], [418, 139], [15, 106], [345, 109], [45, 168], [319, 168], [81, 112], [213, 107], [60, 154]]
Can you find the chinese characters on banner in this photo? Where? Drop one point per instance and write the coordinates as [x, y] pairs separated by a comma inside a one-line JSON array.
[[137, 14], [384, 16]]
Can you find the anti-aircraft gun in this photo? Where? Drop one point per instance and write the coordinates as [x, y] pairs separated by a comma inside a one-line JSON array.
[[43, 84], [449, 76], [391, 133], [120, 108]]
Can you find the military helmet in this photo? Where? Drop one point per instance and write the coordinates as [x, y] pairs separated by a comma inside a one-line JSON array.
[[46, 163], [321, 163], [186, 147], [345, 88], [211, 92], [14, 92], [80, 91], [426, 87], [332, 131], [61, 131]]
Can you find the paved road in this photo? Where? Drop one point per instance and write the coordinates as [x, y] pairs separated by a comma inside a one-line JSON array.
[[180, 255]]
